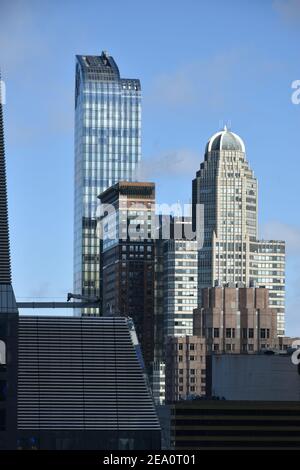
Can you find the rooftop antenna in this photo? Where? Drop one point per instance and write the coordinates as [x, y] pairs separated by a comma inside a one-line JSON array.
[[225, 125], [229, 124]]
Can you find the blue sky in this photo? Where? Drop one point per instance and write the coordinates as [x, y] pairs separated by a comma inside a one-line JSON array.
[[201, 63]]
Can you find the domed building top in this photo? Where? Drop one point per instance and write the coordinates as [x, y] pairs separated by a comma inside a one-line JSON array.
[[225, 140]]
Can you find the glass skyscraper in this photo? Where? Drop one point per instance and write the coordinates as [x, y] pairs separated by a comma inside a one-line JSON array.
[[107, 150]]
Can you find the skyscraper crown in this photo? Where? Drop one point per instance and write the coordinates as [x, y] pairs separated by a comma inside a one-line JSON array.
[[225, 140], [99, 67]]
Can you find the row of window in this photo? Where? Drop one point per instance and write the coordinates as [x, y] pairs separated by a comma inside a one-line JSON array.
[[231, 333]]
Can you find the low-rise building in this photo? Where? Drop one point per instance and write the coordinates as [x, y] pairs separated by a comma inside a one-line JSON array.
[[235, 425], [82, 385], [261, 377], [185, 367]]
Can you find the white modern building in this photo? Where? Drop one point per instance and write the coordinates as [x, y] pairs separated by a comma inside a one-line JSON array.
[[180, 281]]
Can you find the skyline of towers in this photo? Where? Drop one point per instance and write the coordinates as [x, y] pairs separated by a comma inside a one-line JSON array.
[[68, 383], [107, 149], [232, 252], [235, 215]]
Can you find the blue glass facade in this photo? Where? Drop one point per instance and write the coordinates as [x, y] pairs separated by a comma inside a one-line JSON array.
[[107, 150]]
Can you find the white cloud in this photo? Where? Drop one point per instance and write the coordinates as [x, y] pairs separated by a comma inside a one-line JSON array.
[[195, 83], [213, 84], [289, 10], [275, 230], [181, 162]]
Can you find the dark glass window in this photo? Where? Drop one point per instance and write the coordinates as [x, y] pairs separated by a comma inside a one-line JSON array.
[[3, 390], [2, 420]]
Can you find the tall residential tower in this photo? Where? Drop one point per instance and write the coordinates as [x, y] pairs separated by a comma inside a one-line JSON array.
[[107, 149], [231, 252], [8, 319], [128, 258]]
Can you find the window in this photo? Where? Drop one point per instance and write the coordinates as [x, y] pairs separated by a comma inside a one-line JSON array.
[[263, 333], [180, 347], [216, 333], [2, 420], [192, 371], [251, 333], [228, 332], [179, 358], [3, 390], [192, 389], [2, 353], [250, 347], [192, 358], [192, 347], [216, 347], [244, 333], [126, 444], [228, 347]]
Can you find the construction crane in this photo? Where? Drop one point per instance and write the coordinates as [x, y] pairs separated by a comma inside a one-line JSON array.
[[86, 302]]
